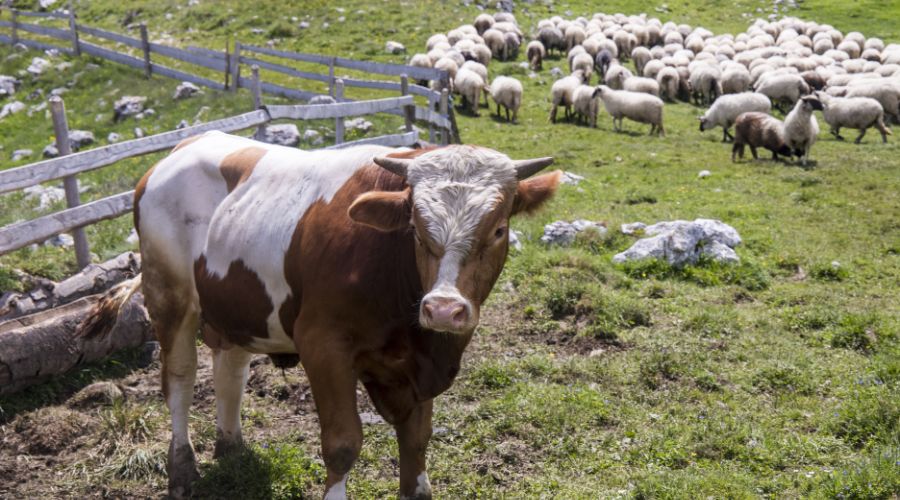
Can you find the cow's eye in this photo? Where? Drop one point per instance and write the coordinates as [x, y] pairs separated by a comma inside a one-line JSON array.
[[500, 232]]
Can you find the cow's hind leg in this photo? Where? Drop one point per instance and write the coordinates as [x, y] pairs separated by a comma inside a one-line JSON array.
[[230, 371], [412, 436]]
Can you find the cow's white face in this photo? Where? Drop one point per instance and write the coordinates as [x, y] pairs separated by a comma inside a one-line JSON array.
[[459, 205]]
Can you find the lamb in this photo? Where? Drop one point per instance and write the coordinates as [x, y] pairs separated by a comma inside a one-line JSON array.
[[561, 93], [469, 85], [507, 92], [535, 53], [853, 112], [585, 104], [641, 84], [668, 78], [756, 129], [637, 106], [726, 109], [801, 128], [782, 87]]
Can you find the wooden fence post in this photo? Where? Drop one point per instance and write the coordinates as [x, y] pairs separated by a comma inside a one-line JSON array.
[[236, 67], [409, 112], [76, 46], [15, 27], [445, 99], [331, 77], [70, 183], [227, 60], [145, 44], [256, 91], [339, 121]]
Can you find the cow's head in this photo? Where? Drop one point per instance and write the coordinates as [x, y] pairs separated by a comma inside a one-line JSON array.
[[458, 207]]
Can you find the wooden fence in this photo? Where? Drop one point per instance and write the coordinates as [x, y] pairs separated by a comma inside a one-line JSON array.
[[68, 165], [438, 114]]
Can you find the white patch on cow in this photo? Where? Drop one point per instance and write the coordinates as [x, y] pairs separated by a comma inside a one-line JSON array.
[[338, 490], [423, 486]]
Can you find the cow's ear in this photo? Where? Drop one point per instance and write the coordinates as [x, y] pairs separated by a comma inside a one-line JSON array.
[[533, 192], [383, 210]]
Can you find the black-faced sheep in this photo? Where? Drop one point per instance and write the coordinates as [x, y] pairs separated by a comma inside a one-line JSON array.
[[801, 128]]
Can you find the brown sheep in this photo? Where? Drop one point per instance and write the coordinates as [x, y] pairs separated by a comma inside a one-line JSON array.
[[756, 129]]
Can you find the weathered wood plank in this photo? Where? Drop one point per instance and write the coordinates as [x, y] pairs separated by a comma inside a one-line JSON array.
[[279, 68], [187, 77], [339, 110], [55, 168], [371, 84], [112, 55], [215, 54], [432, 116], [39, 30], [394, 140], [391, 69], [188, 57], [35, 44], [29, 13], [108, 35], [296, 56], [273, 89], [15, 236]]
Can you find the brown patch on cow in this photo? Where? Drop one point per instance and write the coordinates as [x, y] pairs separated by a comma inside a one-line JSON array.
[[532, 193], [236, 306], [187, 142], [213, 339], [237, 166], [138, 194]]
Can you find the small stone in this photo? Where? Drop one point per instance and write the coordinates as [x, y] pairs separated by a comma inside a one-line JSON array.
[[369, 418], [59, 91], [257, 31], [138, 132], [38, 66], [113, 138], [633, 227], [284, 134], [325, 26], [556, 73], [596, 352], [182, 124], [360, 124], [62, 240], [704, 174], [46, 4], [524, 65], [80, 138], [835, 264], [128, 106], [310, 134], [8, 85], [21, 154], [303, 25], [50, 151], [571, 179], [149, 354], [47, 196], [515, 240], [133, 237], [321, 99], [392, 47], [11, 108], [342, 19]]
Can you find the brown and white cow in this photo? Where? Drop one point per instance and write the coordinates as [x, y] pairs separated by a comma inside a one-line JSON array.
[[368, 264]]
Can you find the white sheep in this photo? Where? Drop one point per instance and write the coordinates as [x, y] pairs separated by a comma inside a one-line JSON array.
[[574, 36], [483, 22], [884, 92], [668, 81], [495, 41], [585, 104], [637, 106], [507, 92], [735, 80], [801, 127], [616, 75], [585, 63], [469, 85], [853, 112], [705, 83], [561, 93], [535, 53], [641, 56], [482, 71], [641, 84], [782, 87], [727, 108]]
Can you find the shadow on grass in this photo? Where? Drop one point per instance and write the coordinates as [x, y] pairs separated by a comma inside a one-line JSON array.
[[60, 387], [269, 471]]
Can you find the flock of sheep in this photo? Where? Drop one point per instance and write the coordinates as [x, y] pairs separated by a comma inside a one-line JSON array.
[[787, 64]]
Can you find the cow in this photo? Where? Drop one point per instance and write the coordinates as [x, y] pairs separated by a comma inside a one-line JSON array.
[[366, 264]]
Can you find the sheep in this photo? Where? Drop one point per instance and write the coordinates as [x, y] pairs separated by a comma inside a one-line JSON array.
[[495, 41], [640, 56], [434, 40], [813, 79], [421, 61], [652, 68], [801, 128], [668, 78], [602, 62], [561, 93], [637, 106], [853, 112], [552, 39], [585, 63], [641, 84], [756, 129], [535, 53], [574, 36], [449, 65], [782, 87], [886, 94], [483, 22], [482, 54], [705, 83], [585, 104], [615, 76], [513, 42], [482, 71], [735, 80], [507, 92], [469, 85], [727, 108]]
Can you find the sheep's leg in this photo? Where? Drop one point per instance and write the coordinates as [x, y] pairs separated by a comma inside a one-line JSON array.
[[883, 130], [498, 109], [660, 130], [753, 150], [737, 149], [507, 112], [553, 114], [861, 134]]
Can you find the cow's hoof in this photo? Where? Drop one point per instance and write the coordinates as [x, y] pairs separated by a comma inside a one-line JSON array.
[[225, 446], [182, 470]]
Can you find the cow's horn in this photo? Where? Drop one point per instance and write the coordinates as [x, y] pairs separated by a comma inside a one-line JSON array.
[[397, 166], [527, 168]]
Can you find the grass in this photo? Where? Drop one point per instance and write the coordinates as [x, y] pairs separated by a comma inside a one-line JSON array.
[[777, 377]]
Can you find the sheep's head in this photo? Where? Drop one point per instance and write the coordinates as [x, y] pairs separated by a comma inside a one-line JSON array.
[[598, 92], [703, 122], [811, 103], [579, 73]]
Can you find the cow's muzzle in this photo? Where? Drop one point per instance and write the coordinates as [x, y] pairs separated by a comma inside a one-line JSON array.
[[447, 313]]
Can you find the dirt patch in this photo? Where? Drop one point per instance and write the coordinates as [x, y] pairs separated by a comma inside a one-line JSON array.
[[48, 431]]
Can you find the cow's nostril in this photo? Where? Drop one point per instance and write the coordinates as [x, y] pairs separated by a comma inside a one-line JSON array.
[[458, 314], [429, 311]]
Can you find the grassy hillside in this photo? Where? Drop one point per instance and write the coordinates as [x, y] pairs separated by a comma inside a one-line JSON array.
[[778, 377]]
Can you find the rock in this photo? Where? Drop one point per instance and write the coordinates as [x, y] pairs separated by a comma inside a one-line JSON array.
[[571, 179], [556, 73], [61, 240], [563, 233], [369, 418], [360, 124], [284, 134], [46, 4], [310, 134], [138, 132], [59, 91], [394, 48], [97, 394], [11, 108], [515, 240], [80, 138], [682, 242], [8, 85], [322, 99], [506, 5], [50, 151], [133, 237], [704, 174], [47, 195], [37, 109], [36, 94], [113, 138], [21, 154], [257, 31], [633, 227], [128, 105], [149, 354], [182, 124], [38, 66], [303, 25], [185, 90]]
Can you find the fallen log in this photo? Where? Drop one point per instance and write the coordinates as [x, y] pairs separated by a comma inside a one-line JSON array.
[[40, 345]]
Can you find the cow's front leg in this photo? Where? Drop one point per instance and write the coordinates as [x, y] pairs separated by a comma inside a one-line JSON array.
[[333, 383], [412, 436]]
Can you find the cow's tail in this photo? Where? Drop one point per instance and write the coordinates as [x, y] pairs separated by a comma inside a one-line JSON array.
[[103, 316]]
